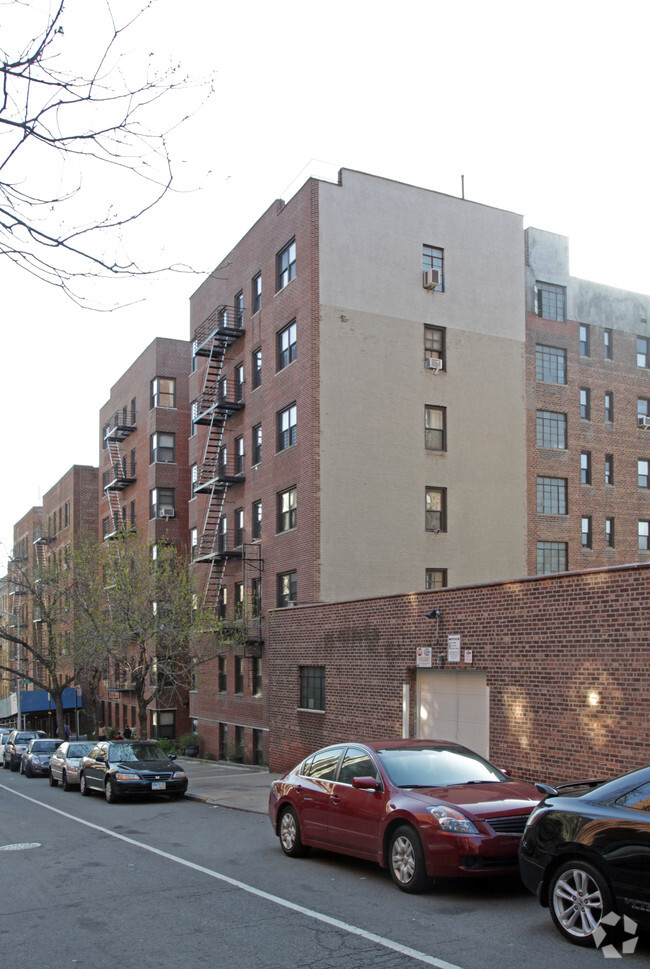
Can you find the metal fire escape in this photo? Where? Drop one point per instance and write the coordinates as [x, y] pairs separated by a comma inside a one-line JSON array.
[[218, 471], [117, 478]]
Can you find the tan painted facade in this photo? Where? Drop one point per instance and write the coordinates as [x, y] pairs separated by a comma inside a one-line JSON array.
[[374, 387]]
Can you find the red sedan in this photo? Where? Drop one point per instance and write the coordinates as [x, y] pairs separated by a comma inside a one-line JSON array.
[[422, 808]]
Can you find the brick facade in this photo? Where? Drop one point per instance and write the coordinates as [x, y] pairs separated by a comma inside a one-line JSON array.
[[549, 645]]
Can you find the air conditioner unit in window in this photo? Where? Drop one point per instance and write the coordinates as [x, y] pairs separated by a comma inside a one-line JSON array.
[[431, 278], [166, 513], [433, 363], [644, 422]]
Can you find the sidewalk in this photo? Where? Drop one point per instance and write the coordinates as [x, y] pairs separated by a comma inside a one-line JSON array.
[[239, 786]]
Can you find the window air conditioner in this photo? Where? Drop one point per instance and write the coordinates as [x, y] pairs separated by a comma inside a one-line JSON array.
[[430, 278], [166, 513], [644, 422], [433, 363]]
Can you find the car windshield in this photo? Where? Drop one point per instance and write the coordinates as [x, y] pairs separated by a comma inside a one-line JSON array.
[[47, 746], [126, 753], [78, 750], [436, 767], [23, 738]]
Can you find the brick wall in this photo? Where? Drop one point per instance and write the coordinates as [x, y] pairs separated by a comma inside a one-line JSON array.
[[546, 643]]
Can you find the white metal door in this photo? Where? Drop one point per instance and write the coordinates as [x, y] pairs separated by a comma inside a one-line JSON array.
[[453, 705]]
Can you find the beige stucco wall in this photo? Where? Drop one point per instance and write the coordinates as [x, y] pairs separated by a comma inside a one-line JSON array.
[[374, 466]]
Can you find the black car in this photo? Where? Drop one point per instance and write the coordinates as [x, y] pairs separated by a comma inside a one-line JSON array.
[[585, 853], [121, 767], [35, 761], [17, 743]]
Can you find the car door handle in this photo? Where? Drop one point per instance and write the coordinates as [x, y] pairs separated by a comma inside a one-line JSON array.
[[335, 799]]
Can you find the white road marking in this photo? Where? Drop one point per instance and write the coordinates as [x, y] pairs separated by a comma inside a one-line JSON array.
[[250, 889], [20, 847]]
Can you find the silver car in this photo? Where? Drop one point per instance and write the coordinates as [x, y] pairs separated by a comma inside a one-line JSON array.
[[64, 763]]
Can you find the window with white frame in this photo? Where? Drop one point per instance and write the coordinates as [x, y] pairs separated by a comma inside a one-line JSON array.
[[163, 448], [287, 510], [287, 340], [287, 422], [642, 351], [163, 392], [162, 502], [644, 536], [286, 265], [586, 531], [584, 340], [642, 473], [585, 403]]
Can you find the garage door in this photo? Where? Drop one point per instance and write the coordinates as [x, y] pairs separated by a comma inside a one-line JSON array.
[[453, 705]]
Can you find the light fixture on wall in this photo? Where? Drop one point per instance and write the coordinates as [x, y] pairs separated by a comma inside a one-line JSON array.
[[437, 615]]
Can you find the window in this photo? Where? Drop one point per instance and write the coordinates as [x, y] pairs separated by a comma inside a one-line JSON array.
[[585, 468], [239, 674], [257, 368], [586, 531], [256, 676], [239, 455], [162, 502], [434, 344], [256, 521], [644, 536], [239, 527], [66, 514], [642, 351], [287, 588], [551, 429], [609, 406], [287, 422], [434, 258], [163, 392], [239, 382], [642, 473], [194, 542], [239, 308], [550, 364], [435, 510], [257, 444], [194, 417], [223, 603], [435, 578], [608, 344], [609, 532], [286, 265], [222, 317], [551, 496], [163, 448], [222, 538], [583, 337], [222, 674], [550, 301], [256, 290], [551, 557], [194, 480], [287, 510], [256, 597], [609, 469], [643, 412], [585, 403], [435, 438], [356, 763], [222, 463], [312, 691], [287, 345]]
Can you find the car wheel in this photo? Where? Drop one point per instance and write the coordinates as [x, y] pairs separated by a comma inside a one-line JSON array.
[[14, 767], [27, 771], [53, 780], [64, 782], [109, 792], [406, 860], [289, 831], [84, 790], [578, 898]]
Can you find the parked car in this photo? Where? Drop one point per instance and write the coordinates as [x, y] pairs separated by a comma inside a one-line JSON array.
[[422, 808], [4, 734], [65, 762], [585, 853], [116, 768], [35, 761], [16, 745]]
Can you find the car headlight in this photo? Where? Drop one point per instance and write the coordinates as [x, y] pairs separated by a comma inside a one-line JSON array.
[[179, 775], [452, 820], [127, 777]]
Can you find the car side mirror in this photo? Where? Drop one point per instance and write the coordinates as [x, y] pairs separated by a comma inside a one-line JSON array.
[[365, 783], [172, 756]]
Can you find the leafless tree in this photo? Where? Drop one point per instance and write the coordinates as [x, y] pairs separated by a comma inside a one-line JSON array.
[[84, 127]]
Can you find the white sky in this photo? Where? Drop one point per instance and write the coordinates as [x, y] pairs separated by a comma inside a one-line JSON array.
[[542, 106]]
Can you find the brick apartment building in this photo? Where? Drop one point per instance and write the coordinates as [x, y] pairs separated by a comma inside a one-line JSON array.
[[376, 399], [385, 389], [144, 484]]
